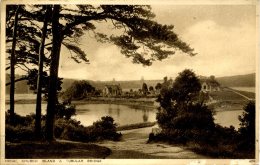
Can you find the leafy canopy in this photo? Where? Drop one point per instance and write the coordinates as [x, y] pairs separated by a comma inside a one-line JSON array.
[[137, 34]]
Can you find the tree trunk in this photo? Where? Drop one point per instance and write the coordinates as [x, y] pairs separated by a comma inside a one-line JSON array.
[[12, 68], [55, 55], [39, 78]]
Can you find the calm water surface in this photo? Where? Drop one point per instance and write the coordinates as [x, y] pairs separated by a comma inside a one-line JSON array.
[[246, 89], [122, 114]]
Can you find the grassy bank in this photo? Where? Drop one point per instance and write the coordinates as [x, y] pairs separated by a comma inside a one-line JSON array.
[[146, 102], [250, 95], [135, 126], [227, 100], [55, 150]]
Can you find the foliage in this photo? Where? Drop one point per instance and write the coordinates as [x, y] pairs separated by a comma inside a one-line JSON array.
[[165, 86], [181, 116], [19, 120], [32, 81], [73, 130], [184, 118], [65, 128], [106, 128], [21, 129], [144, 89], [19, 133], [139, 33], [151, 88], [247, 127], [79, 90], [65, 110], [158, 86], [186, 86]]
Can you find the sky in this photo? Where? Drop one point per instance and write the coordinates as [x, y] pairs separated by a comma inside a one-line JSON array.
[[223, 36]]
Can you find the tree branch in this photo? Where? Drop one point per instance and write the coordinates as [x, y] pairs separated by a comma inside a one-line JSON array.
[[17, 80]]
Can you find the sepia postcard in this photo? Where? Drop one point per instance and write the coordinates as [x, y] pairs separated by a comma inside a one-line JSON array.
[[129, 82]]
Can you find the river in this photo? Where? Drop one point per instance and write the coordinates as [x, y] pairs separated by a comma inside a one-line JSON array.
[[123, 114], [246, 89]]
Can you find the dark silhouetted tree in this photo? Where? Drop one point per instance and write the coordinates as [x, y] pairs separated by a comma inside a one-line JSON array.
[[144, 89], [158, 86], [181, 115], [79, 90], [12, 65], [247, 127], [40, 72], [137, 29]]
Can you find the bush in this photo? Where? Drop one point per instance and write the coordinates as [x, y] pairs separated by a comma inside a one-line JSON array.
[[79, 90], [18, 133], [19, 120], [106, 129], [247, 128], [65, 110], [65, 128], [73, 130]]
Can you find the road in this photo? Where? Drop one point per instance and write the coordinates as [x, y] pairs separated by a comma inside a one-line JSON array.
[[134, 145]]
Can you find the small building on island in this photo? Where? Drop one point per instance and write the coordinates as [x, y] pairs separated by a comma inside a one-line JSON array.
[[209, 84], [112, 90]]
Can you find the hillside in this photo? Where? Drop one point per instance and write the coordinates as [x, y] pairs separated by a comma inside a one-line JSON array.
[[125, 85], [247, 80], [20, 87]]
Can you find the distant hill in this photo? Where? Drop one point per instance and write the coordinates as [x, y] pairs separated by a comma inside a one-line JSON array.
[[125, 85], [20, 86], [247, 80]]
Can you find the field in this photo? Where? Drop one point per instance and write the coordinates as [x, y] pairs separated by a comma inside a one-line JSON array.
[[230, 100]]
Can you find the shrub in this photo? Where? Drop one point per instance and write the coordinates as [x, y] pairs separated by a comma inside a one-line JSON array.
[[65, 128], [65, 110], [18, 133], [247, 128], [79, 90], [73, 130], [106, 129], [19, 120]]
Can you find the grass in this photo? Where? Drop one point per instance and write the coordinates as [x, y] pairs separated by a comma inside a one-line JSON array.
[[227, 100], [57, 150], [222, 151], [135, 126], [251, 95], [226, 95]]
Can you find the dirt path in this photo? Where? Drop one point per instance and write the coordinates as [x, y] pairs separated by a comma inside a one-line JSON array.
[[134, 145]]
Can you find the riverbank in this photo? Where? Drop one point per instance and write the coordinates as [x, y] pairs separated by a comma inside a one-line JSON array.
[[137, 103], [145, 102], [135, 126]]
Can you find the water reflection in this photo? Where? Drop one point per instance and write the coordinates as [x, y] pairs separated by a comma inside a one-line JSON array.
[[112, 109], [122, 114]]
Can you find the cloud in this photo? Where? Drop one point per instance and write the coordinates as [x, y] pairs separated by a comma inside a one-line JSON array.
[[222, 50]]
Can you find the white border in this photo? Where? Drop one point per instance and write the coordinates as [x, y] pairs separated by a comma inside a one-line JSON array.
[[128, 161]]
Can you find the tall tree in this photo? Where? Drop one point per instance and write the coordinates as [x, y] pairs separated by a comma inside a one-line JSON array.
[[40, 73], [186, 86], [144, 88], [55, 57], [12, 66], [140, 38]]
